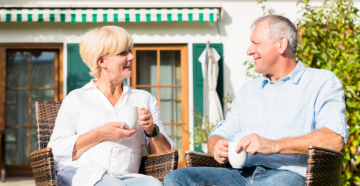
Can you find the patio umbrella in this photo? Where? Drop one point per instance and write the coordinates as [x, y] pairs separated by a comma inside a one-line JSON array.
[[210, 68]]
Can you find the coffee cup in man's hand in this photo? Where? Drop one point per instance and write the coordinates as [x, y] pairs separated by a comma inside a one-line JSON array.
[[237, 159]]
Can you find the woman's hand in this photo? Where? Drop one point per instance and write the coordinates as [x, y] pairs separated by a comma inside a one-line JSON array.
[[146, 120], [114, 130], [158, 143]]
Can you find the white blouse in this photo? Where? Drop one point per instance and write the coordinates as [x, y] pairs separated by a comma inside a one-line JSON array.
[[85, 109]]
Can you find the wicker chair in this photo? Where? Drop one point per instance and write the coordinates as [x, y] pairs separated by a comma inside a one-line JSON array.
[[324, 165], [42, 161]]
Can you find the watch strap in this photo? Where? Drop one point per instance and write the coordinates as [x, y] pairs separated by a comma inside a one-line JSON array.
[[155, 133]]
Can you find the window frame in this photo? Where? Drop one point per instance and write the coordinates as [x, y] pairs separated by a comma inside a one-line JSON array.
[[184, 86], [58, 96]]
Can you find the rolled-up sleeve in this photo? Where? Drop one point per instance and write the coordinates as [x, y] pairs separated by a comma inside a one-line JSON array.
[[330, 108], [155, 112], [64, 135], [231, 125]]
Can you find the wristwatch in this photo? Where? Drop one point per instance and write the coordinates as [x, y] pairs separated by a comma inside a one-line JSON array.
[[155, 133]]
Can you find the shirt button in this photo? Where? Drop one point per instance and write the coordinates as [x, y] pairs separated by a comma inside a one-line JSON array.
[[116, 147], [113, 156]]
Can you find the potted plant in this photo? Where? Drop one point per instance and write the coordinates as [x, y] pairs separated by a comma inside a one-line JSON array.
[[202, 130], [203, 126]]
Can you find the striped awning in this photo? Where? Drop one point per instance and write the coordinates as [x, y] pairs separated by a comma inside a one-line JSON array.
[[96, 15]]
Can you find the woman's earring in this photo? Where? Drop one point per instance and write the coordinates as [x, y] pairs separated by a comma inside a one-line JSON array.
[[106, 69]]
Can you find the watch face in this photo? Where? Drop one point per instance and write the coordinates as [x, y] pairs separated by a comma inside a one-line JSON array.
[[157, 128]]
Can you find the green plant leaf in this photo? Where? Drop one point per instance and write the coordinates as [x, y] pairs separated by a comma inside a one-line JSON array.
[[347, 156], [355, 142], [348, 175], [324, 57]]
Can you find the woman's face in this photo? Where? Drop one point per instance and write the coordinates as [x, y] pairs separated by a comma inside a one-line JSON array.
[[118, 65]]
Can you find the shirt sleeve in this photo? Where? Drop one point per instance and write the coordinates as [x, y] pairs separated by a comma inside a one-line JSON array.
[[155, 112], [330, 108], [231, 125], [64, 135]]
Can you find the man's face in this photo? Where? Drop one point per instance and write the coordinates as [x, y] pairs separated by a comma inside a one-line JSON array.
[[264, 52]]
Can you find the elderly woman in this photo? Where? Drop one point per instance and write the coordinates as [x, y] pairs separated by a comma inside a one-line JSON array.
[[90, 145]]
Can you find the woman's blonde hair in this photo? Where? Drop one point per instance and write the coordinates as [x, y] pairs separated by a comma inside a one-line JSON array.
[[102, 42]]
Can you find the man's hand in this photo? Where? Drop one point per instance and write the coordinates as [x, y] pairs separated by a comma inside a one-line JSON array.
[[254, 144], [221, 151]]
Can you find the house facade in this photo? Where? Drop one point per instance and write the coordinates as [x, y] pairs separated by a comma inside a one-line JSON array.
[[40, 60]]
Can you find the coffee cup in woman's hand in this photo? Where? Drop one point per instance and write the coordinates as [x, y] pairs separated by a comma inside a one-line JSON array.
[[129, 115], [146, 120]]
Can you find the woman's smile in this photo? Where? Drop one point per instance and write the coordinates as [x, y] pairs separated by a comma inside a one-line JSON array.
[[126, 67]]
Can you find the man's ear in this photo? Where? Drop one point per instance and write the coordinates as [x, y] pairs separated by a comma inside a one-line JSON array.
[[283, 44]]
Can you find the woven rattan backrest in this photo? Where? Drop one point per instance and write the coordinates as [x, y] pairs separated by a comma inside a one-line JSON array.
[[46, 113], [323, 167]]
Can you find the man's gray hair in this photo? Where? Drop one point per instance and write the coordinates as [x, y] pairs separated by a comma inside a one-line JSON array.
[[280, 26]]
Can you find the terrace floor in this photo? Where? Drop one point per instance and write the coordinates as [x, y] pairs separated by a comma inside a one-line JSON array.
[[18, 181]]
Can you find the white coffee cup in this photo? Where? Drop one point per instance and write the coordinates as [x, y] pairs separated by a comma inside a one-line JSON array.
[[237, 160], [129, 115]]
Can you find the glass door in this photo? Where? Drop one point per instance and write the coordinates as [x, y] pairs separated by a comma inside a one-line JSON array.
[[162, 71], [30, 75]]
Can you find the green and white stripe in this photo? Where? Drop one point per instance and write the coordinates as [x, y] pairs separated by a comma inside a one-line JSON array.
[[95, 15]]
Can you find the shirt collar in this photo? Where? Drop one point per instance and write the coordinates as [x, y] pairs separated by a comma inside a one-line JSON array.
[[295, 75], [265, 80], [91, 85], [127, 87]]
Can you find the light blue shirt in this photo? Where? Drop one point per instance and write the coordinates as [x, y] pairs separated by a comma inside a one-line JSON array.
[[298, 104]]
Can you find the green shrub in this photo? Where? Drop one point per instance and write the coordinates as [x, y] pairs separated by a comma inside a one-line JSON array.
[[329, 38]]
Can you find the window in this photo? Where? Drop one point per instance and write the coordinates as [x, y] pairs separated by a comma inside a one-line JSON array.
[[32, 73], [162, 71]]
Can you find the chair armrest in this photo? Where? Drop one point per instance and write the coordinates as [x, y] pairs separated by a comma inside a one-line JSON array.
[[324, 166], [42, 163], [196, 159], [160, 164]]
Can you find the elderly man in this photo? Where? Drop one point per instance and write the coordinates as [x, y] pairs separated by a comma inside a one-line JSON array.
[[276, 117]]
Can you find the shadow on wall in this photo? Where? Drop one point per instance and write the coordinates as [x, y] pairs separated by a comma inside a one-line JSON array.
[[226, 20], [227, 88]]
